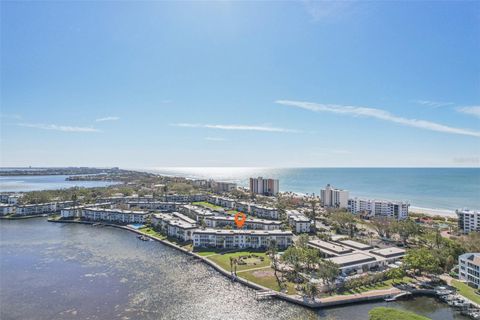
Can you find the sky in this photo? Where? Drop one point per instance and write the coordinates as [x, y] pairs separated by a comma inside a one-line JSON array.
[[263, 84]]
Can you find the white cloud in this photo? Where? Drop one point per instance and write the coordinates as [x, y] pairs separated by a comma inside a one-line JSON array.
[[107, 119], [215, 139], [473, 110], [58, 128], [433, 104], [378, 114], [234, 127]]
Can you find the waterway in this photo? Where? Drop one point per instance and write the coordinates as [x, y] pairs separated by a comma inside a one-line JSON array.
[[72, 271]]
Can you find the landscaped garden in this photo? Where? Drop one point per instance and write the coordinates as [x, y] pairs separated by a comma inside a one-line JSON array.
[[466, 291]]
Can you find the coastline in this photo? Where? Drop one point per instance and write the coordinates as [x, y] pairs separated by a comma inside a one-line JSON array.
[[433, 212], [331, 301]]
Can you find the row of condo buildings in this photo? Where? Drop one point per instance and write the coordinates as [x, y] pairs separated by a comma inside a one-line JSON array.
[[367, 208], [33, 209], [355, 257]]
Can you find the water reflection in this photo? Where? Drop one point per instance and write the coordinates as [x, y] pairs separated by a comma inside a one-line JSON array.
[[52, 271]]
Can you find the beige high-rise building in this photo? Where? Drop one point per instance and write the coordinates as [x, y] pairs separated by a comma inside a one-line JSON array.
[[334, 198], [267, 187]]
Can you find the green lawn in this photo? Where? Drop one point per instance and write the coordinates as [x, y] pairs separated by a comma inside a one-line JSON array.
[[152, 232], [466, 291], [207, 205], [223, 260], [383, 313], [377, 286]]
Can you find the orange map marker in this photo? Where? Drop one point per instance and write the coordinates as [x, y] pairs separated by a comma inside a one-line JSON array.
[[240, 218]]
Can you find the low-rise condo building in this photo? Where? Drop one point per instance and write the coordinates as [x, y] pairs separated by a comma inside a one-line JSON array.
[[6, 209], [469, 268], [221, 187], [356, 257], [9, 198], [231, 239], [153, 205], [196, 212], [36, 209], [379, 208], [72, 212], [298, 221], [334, 198], [222, 202], [114, 215], [263, 212], [250, 223], [468, 220], [175, 225]]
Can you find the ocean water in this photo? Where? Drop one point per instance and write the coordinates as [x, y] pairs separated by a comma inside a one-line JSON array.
[[73, 271], [49, 182], [436, 188]]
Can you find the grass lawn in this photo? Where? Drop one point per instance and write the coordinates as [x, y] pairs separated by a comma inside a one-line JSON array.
[[223, 260], [266, 278], [152, 232], [383, 313], [466, 291], [207, 205], [377, 286]]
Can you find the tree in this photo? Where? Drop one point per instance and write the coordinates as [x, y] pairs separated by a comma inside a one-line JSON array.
[[422, 260], [313, 202], [272, 253], [395, 274], [406, 229], [345, 220], [311, 257], [293, 257], [383, 226], [302, 242], [328, 271], [310, 290]]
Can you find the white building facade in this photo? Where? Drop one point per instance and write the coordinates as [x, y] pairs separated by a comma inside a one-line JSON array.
[[374, 208], [334, 198], [469, 268], [211, 238], [468, 220]]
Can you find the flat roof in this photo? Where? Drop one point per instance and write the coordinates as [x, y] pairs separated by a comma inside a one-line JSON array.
[[352, 259], [244, 232], [389, 252], [330, 246], [355, 244], [251, 220]]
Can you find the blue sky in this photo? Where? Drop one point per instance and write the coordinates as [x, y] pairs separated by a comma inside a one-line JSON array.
[[156, 84]]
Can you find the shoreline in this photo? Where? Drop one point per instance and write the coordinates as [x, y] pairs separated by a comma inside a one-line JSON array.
[[331, 301]]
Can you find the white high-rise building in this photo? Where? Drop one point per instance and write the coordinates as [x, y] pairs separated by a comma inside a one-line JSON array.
[[374, 208], [334, 198], [469, 268], [267, 187], [468, 220]]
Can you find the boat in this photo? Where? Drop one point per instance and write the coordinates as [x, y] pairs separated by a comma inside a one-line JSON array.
[[390, 299], [143, 238]]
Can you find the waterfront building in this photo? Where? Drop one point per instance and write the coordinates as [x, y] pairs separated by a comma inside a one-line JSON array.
[[356, 257], [250, 223], [266, 187], [468, 220], [36, 209], [114, 215], [6, 209], [9, 198], [334, 198], [196, 212], [231, 239], [263, 211], [469, 268], [175, 225], [379, 208], [242, 207], [298, 221], [71, 212], [221, 187]]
